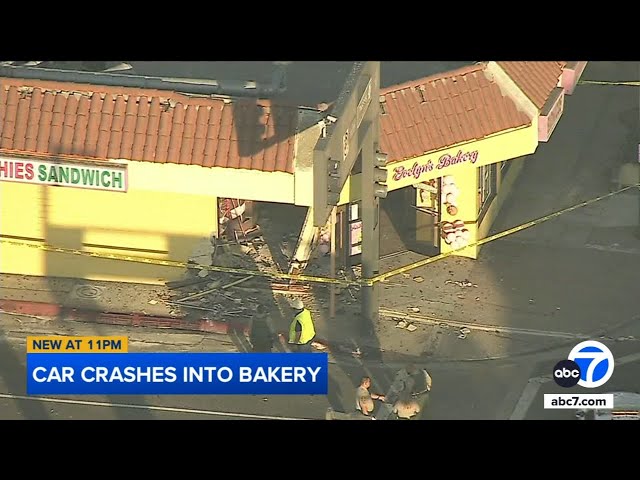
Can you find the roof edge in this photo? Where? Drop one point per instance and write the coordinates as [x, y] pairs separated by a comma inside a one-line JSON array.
[[461, 144], [180, 97], [23, 154], [432, 78], [511, 89]]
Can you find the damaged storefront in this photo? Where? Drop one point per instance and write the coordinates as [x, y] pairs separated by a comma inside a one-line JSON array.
[[119, 171]]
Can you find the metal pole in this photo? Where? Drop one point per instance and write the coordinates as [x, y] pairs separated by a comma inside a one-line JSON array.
[[332, 287], [370, 210]]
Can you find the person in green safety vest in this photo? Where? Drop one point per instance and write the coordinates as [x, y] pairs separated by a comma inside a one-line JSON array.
[[302, 330]]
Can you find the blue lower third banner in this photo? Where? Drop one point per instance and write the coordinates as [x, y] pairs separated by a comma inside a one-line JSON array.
[[177, 374]]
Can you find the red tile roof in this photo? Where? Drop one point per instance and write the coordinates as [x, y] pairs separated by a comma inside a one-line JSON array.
[[535, 79], [443, 110], [59, 118]]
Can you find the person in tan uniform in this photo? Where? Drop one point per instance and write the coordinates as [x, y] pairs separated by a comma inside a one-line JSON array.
[[406, 406], [364, 398]]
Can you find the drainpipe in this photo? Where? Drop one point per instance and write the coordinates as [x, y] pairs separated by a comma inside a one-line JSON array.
[[232, 88]]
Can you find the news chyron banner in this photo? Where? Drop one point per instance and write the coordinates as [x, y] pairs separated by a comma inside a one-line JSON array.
[[59, 365]]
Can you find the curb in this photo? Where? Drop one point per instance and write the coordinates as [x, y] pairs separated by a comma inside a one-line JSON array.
[[53, 311]]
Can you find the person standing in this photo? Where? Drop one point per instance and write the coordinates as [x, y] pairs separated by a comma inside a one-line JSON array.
[[406, 407], [364, 398], [302, 331]]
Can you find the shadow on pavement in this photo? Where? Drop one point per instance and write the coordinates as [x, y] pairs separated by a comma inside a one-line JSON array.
[[13, 375]]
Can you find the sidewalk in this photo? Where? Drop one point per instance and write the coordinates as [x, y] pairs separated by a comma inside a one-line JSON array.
[[577, 273]]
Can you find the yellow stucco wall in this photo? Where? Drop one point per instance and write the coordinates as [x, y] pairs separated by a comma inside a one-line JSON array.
[[154, 224], [222, 182], [497, 148], [504, 186]]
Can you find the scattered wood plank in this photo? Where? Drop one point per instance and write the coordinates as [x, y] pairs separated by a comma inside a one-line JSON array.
[[200, 294], [188, 305], [291, 288], [185, 283], [237, 282], [238, 313], [287, 292]]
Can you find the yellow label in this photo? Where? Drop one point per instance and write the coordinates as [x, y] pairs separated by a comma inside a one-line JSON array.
[[63, 344]]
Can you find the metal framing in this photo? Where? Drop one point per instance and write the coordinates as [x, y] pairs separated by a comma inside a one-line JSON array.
[[343, 140], [352, 129]]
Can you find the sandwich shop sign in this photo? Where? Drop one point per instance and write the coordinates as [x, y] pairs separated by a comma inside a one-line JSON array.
[[109, 176]]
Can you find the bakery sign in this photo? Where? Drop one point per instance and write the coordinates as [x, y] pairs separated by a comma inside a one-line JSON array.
[[550, 114], [107, 176], [419, 170]]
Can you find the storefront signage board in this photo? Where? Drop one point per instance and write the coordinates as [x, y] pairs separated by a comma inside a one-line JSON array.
[[108, 176]]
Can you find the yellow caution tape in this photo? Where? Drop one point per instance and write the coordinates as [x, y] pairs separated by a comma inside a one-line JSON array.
[[177, 264], [597, 82], [427, 261], [306, 278]]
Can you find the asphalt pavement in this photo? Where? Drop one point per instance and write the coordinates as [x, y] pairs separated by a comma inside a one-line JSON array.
[[466, 390]]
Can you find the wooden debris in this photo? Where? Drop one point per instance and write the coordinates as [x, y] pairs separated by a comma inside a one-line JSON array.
[[286, 287], [237, 282], [184, 283], [188, 305], [198, 295], [238, 313]]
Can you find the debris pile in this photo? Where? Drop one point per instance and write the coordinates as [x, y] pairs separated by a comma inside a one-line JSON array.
[[213, 299], [464, 331], [406, 326], [224, 295], [461, 283]]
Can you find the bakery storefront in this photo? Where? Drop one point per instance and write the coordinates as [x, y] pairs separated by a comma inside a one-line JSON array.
[[443, 200], [450, 140], [452, 192]]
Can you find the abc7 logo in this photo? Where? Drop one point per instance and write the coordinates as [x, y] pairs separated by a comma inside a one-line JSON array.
[[590, 365], [566, 373]]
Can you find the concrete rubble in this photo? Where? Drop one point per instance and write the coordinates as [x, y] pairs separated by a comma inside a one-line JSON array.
[[232, 296], [210, 292]]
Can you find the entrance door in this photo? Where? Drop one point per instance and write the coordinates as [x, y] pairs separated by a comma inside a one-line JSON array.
[[427, 213]]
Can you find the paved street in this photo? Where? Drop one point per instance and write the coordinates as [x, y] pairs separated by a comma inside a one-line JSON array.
[[450, 399], [462, 390]]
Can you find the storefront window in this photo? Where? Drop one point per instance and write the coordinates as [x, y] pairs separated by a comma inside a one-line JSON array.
[[504, 166], [487, 191]]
